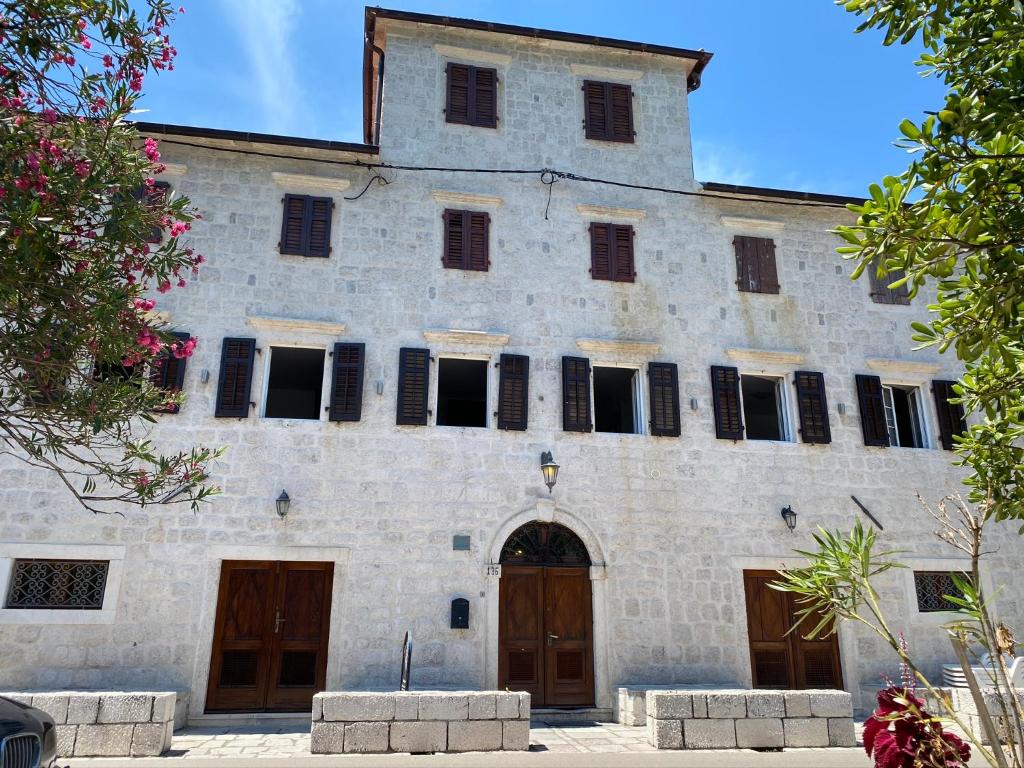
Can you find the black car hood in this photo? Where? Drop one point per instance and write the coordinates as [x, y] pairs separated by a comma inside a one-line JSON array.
[[15, 718]]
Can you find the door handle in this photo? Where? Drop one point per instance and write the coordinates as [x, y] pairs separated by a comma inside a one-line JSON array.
[[278, 621], [551, 637]]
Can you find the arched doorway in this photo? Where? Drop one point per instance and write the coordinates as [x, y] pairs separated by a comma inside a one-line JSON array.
[[545, 617]]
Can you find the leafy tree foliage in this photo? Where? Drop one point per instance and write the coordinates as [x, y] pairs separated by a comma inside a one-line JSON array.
[[955, 219], [86, 238]]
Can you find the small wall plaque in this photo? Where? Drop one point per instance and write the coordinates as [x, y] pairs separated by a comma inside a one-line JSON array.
[[460, 543]]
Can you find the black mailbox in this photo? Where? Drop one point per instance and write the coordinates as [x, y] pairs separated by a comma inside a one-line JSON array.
[[460, 613]]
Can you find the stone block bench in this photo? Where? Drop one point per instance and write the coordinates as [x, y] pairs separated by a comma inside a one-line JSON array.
[[631, 700], [715, 719], [107, 724], [420, 721]]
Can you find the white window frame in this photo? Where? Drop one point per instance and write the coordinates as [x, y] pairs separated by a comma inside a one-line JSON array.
[[782, 405], [107, 614], [490, 398], [639, 397], [917, 415], [265, 384]]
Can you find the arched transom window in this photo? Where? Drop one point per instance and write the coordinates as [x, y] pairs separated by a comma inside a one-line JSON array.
[[540, 543]]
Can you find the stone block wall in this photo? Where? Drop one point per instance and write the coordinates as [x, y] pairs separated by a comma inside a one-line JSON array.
[[966, 709], [420, 721], [716, 719], [101, 724]]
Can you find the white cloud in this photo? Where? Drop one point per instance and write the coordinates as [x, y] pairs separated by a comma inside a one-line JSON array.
[[712, 162], [266, 28]]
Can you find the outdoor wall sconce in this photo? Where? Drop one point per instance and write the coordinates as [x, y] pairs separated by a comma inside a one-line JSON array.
[[283, 502], [790, 517], [550, 470]]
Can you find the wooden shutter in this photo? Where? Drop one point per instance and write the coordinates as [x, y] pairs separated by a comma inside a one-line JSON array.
[[320, 209], [466, 240], [756, 271], [456, 108], [347, 364], [664, 385], [413, 385], [484, 97], [622, 253], [813, 406], [881, 293], [600, 251], [952, 420], [576, 394], [152, 197], [294, 231], [608, 111], [513, 392], [236, 359], [168, 373], [872, 410], [725, 391]]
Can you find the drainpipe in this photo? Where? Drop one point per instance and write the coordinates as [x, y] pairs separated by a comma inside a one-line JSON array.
[[380, 87]]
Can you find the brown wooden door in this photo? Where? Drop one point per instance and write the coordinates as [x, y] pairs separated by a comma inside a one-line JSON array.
[[778, 658], [270, 636], [546, 634]]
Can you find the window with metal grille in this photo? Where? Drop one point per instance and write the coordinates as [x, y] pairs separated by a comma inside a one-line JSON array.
[[58, 584], [934, 588]]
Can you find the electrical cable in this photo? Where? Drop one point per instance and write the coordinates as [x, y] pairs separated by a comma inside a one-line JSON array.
[[548, 176]]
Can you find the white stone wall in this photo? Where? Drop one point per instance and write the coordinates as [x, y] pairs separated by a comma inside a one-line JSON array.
[[674, 521]]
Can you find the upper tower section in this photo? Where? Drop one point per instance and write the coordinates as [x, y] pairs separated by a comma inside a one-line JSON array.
[[459, 92]]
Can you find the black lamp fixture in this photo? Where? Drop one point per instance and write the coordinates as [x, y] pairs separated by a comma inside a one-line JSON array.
[[283, 502], [549, 468], [790, 517]]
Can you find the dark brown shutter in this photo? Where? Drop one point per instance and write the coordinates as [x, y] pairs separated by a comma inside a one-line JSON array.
[[595, 110], [466, 240], [454, 238], [576, 394], [664, 385], [456, 108], [813, 406], [881, 293], [484, 94], [236, 359], [872, 410], [601, 251], [621, 99], [168, 372], [347, 364], [622, 262], [294, 226], [952, 420], [756, 271], [513, 392], [725, 391], [413, 385], [320, 226], [153, 196], [477, 257], [608, 111]]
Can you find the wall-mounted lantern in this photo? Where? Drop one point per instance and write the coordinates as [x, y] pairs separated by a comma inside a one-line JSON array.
[[283, 502], [550, 470], [790, 517]]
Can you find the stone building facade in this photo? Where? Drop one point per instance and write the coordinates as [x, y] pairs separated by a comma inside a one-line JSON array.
[[410, 517]]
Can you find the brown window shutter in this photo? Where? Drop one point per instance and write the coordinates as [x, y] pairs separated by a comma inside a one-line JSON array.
[[881, 293], [622, 268], [621, 123], [294, 226], [477, 243], [576, 394], [813, 406], [484, 97], [872, 410], [320, 209], [167, 372], [154, 197], [456, 108], [767, 269], [952, 421], [601, 251], [513, 392], [347, 363], [413, 385], [755, 264], [725, 391], [595, 110], [236, 360], [664, 385], [454, 239]]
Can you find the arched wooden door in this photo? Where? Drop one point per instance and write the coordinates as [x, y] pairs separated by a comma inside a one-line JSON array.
[[545, 617]]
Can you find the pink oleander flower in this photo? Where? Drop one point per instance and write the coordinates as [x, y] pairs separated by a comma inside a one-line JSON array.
[[145, 305], [82, 169], [81, 266], [32, 161], [151, 151], [108, 61], [164, 286]]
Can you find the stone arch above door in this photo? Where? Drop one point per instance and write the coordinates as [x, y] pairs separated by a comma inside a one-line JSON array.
[[546, 511], [540, 543]]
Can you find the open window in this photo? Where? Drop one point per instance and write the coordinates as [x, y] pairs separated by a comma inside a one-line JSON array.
[[903, 416], [617, 400], [461, 392], [764, 407], [295, 383]]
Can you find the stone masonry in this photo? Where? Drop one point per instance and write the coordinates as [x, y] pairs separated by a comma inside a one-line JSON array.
[[420, 721], [715, 719]]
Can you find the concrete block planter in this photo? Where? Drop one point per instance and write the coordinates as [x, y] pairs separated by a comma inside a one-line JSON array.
[[716, 719], [107, 724], [420, 721]]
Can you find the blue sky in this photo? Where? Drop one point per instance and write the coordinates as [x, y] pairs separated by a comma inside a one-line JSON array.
[[792, 99]]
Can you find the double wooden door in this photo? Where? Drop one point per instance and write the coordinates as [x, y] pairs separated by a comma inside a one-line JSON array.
[[545, 634], [270, 636], [780, 658]]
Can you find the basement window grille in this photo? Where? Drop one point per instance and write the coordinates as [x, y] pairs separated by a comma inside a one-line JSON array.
[[58, 584]]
